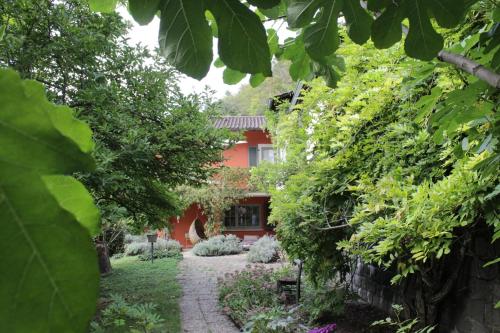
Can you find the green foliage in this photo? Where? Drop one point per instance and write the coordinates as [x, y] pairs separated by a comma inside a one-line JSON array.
[[402, 326], [275, 320], [227, 187], [250, 298], [248, 292], [43, 235], [139, 282], [250, 100], [264, 250], [220, 245], [121, 316], [244, 47], [143, 247], [129, 97], [397, 165]]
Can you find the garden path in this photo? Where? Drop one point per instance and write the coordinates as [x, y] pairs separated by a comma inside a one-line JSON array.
[[200, 312]]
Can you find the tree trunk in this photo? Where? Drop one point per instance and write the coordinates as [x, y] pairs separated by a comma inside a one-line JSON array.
[[103, 257]]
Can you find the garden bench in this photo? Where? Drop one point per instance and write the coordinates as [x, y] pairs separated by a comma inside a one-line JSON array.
[[290, 285]]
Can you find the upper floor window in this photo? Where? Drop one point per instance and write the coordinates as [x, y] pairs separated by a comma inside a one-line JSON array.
[[263, 152]]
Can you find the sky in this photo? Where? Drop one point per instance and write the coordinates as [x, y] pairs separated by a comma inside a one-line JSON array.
[[148, 36]]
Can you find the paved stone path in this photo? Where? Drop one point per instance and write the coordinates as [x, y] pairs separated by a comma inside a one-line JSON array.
[[200, 312]]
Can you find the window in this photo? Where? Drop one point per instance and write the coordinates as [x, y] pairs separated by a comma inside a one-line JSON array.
[[242, 216], [252, 156], [264, 152]]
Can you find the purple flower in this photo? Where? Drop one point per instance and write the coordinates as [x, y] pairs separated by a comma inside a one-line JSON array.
[[325, 329]]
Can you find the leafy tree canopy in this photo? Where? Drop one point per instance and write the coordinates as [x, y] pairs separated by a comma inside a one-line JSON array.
[[149, 137]]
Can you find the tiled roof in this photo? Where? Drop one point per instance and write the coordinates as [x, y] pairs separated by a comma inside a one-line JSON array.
[[235, 123]]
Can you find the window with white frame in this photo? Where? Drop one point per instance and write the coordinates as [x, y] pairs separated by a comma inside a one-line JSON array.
[[262, 152], [242, 217]]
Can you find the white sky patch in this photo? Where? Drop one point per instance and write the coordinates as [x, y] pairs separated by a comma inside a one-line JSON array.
[[148, 36]]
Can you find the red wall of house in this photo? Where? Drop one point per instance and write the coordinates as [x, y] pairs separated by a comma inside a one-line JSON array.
[[180, 226], [237, 156]]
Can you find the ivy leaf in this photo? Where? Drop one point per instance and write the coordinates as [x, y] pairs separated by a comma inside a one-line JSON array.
[[73, 197], [185, 37], [242, 39], [230, 76], [49, 267], [143, 11], [103, 6], [266, 4], [321, 38], [358, 21], [301, 12]]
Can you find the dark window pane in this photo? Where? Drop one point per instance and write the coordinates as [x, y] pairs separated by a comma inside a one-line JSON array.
[[252, 156], [230, 217]]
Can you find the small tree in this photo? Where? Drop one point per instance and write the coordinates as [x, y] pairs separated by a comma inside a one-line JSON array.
[[216, 196]]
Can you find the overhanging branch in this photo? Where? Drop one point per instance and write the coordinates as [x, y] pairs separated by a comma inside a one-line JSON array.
[[471, 67]]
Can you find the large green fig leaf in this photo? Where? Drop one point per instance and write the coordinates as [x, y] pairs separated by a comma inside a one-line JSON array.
[[185, 36], [49, 280], [74, 197], [266, 4], [103, 6], [242, 38], [143, 11], [422, 42], [301, 12], [321, 38]]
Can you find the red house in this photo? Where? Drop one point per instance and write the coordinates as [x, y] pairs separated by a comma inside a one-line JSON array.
[[249, 216]]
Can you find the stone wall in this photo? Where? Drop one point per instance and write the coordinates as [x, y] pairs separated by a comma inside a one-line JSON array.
[[470, 306]]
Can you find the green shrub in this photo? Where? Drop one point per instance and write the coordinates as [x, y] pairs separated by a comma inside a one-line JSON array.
[[144, 248], [276, 320], [323, 304], [121, 316], [247, 293], [135, 239], [265, 250], [162, 253], [134, 249], [218, 246], [117, 256], [250, 298]]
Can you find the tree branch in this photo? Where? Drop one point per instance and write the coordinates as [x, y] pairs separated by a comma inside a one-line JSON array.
[[465, 64], [471, 67]]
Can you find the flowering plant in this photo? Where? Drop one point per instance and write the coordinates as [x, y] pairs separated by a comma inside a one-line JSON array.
[[325, 329]]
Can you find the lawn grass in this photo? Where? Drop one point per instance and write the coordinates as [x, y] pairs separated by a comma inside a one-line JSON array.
[[142, 282]]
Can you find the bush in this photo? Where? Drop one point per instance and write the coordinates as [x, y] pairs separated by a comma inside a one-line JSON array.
[[247, 293], [144, 248], [158, 254], [218, 246], [265, 250], [134, 249], [135, 239], [250, 298]]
